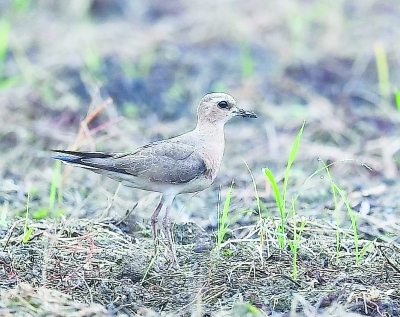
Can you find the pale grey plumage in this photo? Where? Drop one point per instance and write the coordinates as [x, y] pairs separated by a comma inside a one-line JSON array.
[[183, 164]]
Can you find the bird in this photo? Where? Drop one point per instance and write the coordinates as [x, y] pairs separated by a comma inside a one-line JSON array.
[[186, 163]]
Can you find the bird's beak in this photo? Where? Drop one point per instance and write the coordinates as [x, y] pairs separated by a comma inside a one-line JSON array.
[[244, 113]]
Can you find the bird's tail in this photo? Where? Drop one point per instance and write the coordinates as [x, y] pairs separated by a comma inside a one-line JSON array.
[[83, 159]]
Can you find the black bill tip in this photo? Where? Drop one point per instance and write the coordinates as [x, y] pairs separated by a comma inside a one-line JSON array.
[[245, 114]]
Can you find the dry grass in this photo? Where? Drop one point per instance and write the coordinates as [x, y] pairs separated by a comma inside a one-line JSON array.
[[91, 262], [289, 61]]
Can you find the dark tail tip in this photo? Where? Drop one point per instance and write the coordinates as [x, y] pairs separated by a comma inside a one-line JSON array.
[[69, 156]]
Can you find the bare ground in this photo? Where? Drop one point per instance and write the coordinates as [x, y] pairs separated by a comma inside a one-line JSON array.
[[290, 62]]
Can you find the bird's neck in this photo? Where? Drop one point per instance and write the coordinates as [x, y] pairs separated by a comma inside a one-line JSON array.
[[211, 144], [210, 127], [210, 133]]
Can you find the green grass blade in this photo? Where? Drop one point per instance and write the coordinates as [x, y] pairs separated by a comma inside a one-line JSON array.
[[27, 230], [335, 203], [247, 61], [275, 189], [382, 67], [4, 35], [21, 5], [279, 197], [397, 99], [261, 231], [55, 191], [255, 188], [352, 215], [353, 219], [292, 157], [223, 224], [279, 202]]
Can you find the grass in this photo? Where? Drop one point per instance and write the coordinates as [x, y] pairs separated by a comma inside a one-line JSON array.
[[223, 224], [219, 86], [397, 99], [27, 229], [279, 202], [70, 249], [4, 35], [382, 67], [6, 81], [247, 60], [93, 61], [55, 196], [261, 232], [55, 190], [295, 243], [142, 67], [336, 193], [280, 196], [353, 216], [21, 5], [66, 255], [336, 190], [175, 92], [224, 219]]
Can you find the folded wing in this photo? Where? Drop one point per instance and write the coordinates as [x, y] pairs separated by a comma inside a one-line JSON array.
[[165, 162]]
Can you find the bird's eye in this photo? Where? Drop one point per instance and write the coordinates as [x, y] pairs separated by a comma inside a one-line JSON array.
[[223, 104]]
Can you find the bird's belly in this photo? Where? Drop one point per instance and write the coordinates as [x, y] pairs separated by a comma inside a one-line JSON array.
[[195, 185]]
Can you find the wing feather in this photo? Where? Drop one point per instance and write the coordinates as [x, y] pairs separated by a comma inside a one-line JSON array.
[[161, 161]]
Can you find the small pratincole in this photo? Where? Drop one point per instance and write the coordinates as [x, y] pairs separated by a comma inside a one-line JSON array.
[[183, 164]]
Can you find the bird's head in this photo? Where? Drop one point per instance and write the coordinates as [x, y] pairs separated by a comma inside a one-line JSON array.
[[219, 108]]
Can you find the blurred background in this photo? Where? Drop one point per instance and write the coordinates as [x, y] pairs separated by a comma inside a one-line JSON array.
[[331, 64]]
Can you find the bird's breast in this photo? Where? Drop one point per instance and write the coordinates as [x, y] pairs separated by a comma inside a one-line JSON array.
[[209, 143], [212, 160]]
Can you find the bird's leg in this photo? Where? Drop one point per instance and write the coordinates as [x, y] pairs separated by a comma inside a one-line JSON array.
[[154, 220], [166, 224]]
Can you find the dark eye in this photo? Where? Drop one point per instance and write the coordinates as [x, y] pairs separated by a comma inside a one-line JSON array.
[[223, 104]]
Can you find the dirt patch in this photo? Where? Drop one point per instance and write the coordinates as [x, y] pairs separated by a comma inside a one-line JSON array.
[[290, 62], [92, 262]]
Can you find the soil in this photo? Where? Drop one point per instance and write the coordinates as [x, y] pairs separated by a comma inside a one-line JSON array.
[[114, 75]]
